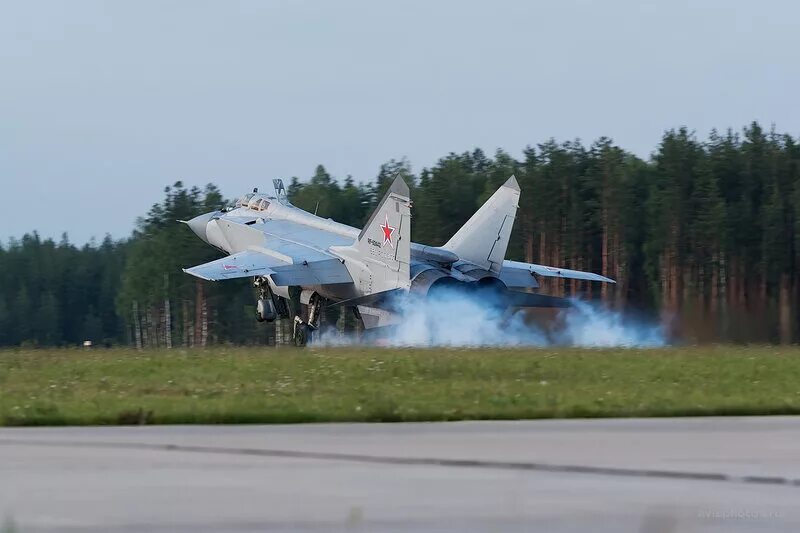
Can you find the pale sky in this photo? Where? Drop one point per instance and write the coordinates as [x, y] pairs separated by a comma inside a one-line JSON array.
[[104, 103]]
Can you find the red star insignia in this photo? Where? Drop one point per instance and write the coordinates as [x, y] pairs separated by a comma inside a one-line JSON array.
[[387, 232]]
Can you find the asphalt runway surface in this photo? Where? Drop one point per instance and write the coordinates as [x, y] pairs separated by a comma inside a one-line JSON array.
[[643, 475]]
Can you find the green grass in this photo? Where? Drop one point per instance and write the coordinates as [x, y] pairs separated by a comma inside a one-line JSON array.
[[229, 385]]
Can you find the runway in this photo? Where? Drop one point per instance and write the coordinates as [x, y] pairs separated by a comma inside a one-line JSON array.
[[644, 475]]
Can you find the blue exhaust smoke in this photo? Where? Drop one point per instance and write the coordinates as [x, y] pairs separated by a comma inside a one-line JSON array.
[[453, 318]]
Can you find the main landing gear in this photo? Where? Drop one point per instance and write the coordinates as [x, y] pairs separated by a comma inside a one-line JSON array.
[[304, 331], [270, 307]]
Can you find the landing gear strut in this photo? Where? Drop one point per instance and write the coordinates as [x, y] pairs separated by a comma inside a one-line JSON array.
[[304, 331]]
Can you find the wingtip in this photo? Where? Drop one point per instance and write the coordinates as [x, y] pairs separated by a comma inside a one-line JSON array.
[[511, 183], [194, 273]]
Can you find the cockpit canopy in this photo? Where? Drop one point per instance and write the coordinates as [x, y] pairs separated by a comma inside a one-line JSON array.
[[254, 201]]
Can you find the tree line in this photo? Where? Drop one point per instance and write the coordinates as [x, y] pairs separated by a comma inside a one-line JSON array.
[[704, 235]]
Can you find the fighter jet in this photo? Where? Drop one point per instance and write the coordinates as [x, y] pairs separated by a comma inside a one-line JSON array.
[[297, 258]]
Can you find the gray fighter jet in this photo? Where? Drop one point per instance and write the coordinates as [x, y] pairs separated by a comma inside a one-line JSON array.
[[295, 258]]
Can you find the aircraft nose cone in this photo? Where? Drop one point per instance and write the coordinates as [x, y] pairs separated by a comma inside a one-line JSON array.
[[199, 224]]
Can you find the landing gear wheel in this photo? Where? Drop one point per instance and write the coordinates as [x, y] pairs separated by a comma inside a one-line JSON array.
[[306, 331], [302, 334], [260, 311]]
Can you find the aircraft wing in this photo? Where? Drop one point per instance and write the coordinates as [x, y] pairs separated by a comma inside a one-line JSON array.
[[518, 274], [267, 252], [256, 263], [323, 272], [243, 264]]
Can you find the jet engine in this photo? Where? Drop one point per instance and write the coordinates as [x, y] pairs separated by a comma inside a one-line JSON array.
[[432, 282]]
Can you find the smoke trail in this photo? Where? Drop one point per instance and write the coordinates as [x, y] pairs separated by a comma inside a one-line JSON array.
[[453, 318], [591, 325]]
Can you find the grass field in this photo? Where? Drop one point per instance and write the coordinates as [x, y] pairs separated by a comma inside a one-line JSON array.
[[227, 385]]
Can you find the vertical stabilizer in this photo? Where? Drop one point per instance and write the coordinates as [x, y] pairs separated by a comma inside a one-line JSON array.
[[483, 240], [382, 251]]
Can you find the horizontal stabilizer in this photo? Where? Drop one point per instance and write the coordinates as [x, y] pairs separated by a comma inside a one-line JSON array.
[[512, 269]]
